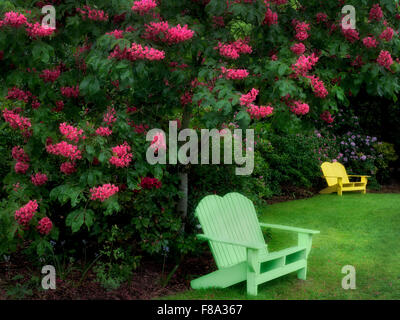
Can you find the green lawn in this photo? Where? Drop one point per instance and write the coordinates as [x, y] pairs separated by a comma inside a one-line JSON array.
[[358, 230]]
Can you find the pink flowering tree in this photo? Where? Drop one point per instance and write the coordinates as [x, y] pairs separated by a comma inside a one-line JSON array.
[[81, 97]]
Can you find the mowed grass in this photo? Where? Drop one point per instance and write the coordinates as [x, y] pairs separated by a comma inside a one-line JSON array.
[[356, 229]]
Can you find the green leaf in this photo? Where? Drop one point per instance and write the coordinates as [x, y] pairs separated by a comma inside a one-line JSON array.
[[41, 52], [283, 68], [243, 119], [65, 192], [90, 85], [112, 206], [41, 247], [90, 149], [78, 217]]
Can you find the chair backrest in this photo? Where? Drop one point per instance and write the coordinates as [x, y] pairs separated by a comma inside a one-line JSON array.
[[334, 169], [231, 217]]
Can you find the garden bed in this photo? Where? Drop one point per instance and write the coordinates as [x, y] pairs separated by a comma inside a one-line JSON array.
[[146, 281]]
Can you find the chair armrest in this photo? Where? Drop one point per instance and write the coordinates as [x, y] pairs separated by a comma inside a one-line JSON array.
[[358, 175], [231, 242], [287, 228]]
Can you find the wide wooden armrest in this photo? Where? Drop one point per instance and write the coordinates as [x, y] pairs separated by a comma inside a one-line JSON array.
[[358, 175], [287, 228], [232, 242]]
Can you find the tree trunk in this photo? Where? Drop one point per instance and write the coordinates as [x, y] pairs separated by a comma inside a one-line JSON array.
[[183, 202], [184, 174]]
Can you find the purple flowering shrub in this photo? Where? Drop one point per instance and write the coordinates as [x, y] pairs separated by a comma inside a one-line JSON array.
[[346, 142]]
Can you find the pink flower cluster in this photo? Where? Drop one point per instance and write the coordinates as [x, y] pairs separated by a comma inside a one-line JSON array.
[[25, 214], [59, 106], [387, 34], [17, 122], [21, 167], [103, 192], [135, 52], [121, 155], [14, 19], [150, 183], [270, 17], [70, 132], [351, 35], [161, 31], [143, 6], [318, 87], [375, 13], [233, 50], [70, 92], [64, 149], [117, 34], [186, 98], [39, 179], [304, 64], [50, 75], [103, 131], [68, 167], [92, 14], [38, 31], [299, 108], [44, 226], [385, 59], [301, 29], [258, 112], [234, 74], [179, 34], [357, 62], [109, 118], [247, 99], [18, 94], [298, 48], [327, 117], [19, 154], [22, 158], [139, 128], [321, 17], [370, 42]]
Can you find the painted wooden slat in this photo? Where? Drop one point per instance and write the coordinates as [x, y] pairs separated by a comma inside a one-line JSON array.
[[287, 228], [270, 275], [232, 217]]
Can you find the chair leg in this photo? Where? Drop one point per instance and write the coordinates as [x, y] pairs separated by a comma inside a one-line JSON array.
[[252, 287], [302, 273], [339, 192]]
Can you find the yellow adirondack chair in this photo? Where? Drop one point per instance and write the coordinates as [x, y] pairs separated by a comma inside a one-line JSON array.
[[338, 180]]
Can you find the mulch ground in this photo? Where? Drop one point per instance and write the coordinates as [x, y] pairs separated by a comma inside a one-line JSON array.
[[146, 282]]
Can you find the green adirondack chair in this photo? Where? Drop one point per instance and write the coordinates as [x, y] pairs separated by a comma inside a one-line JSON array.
[[231, 227]]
